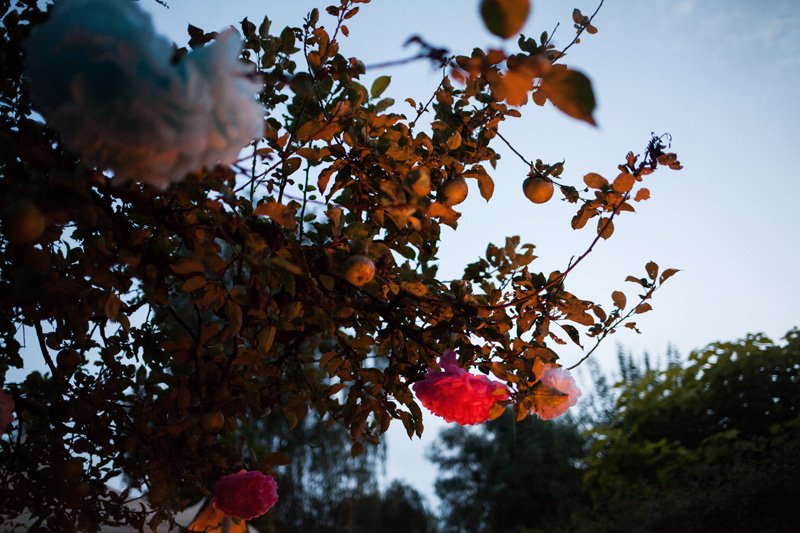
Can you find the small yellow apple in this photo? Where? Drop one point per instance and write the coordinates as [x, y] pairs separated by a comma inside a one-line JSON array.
[[454, 191], [358, 270], [538, 189]]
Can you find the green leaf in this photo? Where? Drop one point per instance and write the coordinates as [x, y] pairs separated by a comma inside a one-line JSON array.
[[379, 85], [263, 29], [571, 92], [384, 104]]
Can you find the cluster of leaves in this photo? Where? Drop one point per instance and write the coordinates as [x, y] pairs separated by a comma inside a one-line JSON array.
[[169, 320]]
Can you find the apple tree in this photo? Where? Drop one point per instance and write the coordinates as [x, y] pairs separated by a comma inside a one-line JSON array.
[[155, 315]]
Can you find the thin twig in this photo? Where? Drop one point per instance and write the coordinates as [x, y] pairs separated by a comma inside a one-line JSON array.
[[46, 354], [513, 149], [582, 29]]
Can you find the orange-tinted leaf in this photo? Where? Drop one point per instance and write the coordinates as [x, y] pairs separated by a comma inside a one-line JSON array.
[[667, 159], [624, 182], [415, 287], [356, 449], [542, 395], [668, 273], [188, 267], [438, 209], [454, 141], [619, 299], [193, 283], [209, 519], [583, 318], [642, 194], [517, 83], [280, 213], [573, 333], [643, 308], [571, 92], [234, 315], [600, 313], [595, 181], [277, 459], [605, 227], [539, 97], [485, 185], [652, 269], [505, 18], [496, 410]]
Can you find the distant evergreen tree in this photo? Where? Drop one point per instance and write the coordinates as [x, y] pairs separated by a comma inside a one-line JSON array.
[[509, 476]]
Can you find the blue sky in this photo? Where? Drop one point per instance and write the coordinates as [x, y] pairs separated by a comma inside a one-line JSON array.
[[721, 76]]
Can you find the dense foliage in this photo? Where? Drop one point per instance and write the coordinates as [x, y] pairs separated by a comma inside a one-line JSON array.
[[170, 320], [712, 444]]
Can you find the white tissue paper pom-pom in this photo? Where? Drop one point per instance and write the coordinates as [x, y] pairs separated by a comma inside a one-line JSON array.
[[103, 78]]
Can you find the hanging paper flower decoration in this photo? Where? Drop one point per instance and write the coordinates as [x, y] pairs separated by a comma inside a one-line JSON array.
[[245, 495], [104, 79], [6, 410], [456, 395], [561, 380]]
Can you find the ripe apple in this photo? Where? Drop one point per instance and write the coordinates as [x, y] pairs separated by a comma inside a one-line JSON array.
[[68, 361], [212, 422], [538, 189], [454, 191], [23, 221], [358, 270]]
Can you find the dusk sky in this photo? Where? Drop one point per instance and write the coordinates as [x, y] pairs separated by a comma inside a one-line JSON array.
[[720, 76]]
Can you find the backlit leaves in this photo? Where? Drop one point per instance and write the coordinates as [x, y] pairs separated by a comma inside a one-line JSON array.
[[619, 299], [379, 85], [239, 269], [280, 213], [624, 182], [595, 181], [505, 18], [605, 227], [571, 92]]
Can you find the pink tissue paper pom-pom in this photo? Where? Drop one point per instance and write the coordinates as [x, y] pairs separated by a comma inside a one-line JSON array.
[[6, 410], [456, 395], [245, 495], [560, 379]]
